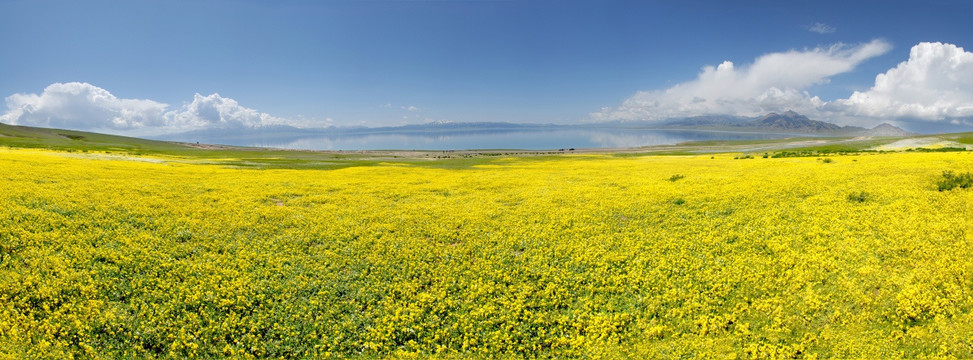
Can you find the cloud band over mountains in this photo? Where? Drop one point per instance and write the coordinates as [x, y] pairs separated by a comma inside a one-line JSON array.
[[773, 82], [935, 84]]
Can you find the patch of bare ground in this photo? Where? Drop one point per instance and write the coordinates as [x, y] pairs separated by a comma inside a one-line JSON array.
[[930, 142]]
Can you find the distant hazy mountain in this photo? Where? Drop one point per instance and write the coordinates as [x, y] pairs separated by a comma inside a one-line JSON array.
[[886, 129], [229, 135], [279, 132], [441, 126], [710, 120], [788, 122]]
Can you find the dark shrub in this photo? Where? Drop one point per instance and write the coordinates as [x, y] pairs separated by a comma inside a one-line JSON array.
[[951, 181]]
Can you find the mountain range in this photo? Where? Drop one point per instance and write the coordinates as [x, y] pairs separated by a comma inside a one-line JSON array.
[[788, 122]]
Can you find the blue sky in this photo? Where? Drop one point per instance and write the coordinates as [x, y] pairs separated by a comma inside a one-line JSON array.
[[143, 67]]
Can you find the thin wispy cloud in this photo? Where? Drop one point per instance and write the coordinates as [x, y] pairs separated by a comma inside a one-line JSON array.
[[821, 28]]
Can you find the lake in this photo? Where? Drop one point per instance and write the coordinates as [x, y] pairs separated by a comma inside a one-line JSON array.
[[524, 139]]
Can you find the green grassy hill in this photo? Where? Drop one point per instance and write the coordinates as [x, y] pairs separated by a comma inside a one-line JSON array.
[[34, 137], [250, 157]]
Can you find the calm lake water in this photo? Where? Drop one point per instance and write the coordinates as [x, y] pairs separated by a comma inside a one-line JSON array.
[[531, 139]]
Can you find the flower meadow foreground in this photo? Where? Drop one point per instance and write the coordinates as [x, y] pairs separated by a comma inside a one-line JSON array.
[[573, 256]]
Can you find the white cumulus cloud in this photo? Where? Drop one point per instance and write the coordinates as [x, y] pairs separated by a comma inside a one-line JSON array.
[[215, 111], [774, 82], [934, 84], [83, 106]]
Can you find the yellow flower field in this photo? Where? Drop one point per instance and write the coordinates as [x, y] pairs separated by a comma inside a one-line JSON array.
[[573, 256]]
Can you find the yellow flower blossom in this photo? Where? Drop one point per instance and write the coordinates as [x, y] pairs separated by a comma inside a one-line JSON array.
[[575, 256]]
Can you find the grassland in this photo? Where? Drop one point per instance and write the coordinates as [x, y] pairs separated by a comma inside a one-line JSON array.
[[135, 250]]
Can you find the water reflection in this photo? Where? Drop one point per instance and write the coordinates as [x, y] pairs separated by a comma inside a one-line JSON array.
[[534, 139]]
